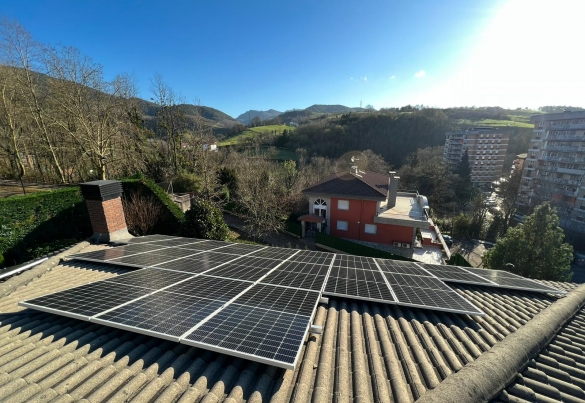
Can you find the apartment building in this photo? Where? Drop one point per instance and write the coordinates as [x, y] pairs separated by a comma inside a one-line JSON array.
[[486, 148], [554, 167]]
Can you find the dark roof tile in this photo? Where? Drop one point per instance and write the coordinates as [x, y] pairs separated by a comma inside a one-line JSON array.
[[367, 352], [368, 184]]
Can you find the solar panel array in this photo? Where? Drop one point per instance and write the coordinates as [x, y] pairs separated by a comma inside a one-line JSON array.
[[252, 301]]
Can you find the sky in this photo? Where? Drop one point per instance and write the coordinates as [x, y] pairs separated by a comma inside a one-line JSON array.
[[240, 55]]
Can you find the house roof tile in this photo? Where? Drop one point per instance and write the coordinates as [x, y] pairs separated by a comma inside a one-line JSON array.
[[368, 184], [367, 352]]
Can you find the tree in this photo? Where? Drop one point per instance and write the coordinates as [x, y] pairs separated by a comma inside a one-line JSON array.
[[536, 248], [464, 187], [203, 220], [509, 195]]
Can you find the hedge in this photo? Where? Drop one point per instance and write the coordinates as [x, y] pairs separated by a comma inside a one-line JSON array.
[[355, 248], [33, 225], [36, 224]]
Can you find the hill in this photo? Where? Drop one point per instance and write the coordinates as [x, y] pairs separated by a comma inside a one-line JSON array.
[[214, 117], [331, 109], [247, 117]]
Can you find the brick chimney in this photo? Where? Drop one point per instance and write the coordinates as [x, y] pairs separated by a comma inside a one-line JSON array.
[[392, 189], [104, 203]]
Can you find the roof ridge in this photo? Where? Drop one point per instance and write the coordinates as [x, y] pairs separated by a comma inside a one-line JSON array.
[[373, 187], [479, 382]]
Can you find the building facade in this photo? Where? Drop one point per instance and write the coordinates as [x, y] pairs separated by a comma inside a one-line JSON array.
[[367, 207], [486, 148], [554, 167]]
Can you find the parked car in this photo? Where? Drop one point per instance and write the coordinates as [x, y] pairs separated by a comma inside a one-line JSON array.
[[448, 240]]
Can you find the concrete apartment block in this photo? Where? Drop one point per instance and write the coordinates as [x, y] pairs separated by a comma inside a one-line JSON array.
[[554, 168], [486, 148]]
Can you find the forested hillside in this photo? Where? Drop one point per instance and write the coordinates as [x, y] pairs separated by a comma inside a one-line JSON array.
[[392, 135]]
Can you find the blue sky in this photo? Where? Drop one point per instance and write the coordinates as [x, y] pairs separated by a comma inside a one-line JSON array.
[[236, 56]]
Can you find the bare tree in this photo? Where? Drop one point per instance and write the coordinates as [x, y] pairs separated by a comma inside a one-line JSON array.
[[142, 212], [19, 50], [171, 119]]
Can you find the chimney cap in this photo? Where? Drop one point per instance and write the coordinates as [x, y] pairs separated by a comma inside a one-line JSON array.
[[101, 190]]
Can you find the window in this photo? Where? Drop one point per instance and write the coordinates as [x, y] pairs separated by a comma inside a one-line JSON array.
[[343, 204], [370, 229], [342, 225]]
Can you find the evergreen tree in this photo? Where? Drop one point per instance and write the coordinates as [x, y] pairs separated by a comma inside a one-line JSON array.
[[536, 249], [464, 189], [203, 220]]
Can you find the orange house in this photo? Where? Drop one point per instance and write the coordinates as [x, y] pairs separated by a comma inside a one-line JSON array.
[[367, 207]]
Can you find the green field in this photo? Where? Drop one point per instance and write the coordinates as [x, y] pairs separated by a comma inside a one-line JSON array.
[[254, 132], [516, 120]]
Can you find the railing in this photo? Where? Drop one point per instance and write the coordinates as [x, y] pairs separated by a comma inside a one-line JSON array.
[[561, 159], [564, 148], [565, 137], [570, 126], [548, 191], [560, 181]]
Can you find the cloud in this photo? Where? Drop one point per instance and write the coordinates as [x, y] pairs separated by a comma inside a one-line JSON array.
[[351, 78], [393, 77], [420, 74], [365, 78]]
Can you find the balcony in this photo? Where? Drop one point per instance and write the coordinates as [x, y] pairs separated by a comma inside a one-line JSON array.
[[562, 159], [565, 138], [571, 126], [560, 181], [571, 149], [546, 192]]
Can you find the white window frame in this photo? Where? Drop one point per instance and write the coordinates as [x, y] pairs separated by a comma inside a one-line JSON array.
[[371, 226], [341, 224], [341, 203]]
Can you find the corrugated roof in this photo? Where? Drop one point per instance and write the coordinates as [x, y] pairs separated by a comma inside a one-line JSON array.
[[368, 184], [367, 352]]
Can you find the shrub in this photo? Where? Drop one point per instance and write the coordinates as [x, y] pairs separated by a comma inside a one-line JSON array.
[[203, 220], [171, 218], [186, 182], [142, 212], [32, 225]]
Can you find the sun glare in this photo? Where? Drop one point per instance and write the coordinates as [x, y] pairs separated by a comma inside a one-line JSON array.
[[529, 55]]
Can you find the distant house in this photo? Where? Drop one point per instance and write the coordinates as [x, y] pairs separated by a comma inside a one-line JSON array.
[[210, 147], [367, 207], [293, 124]]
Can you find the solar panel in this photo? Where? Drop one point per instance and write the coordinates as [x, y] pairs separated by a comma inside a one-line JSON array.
[[291, 300], [363, 284], [428, 292], [358, 262], [395, 266], [87, 300], [305, 281], [238, 272], [220, 289], [148, 238], [455, 274], [307, 256], [163, 314], [150, 278], [195, 264], [506, 279], [249, 300], [263, 335], [275, 253]]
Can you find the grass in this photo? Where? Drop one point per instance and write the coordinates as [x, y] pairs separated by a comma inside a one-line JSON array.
[[254, 132], [517, 121]]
